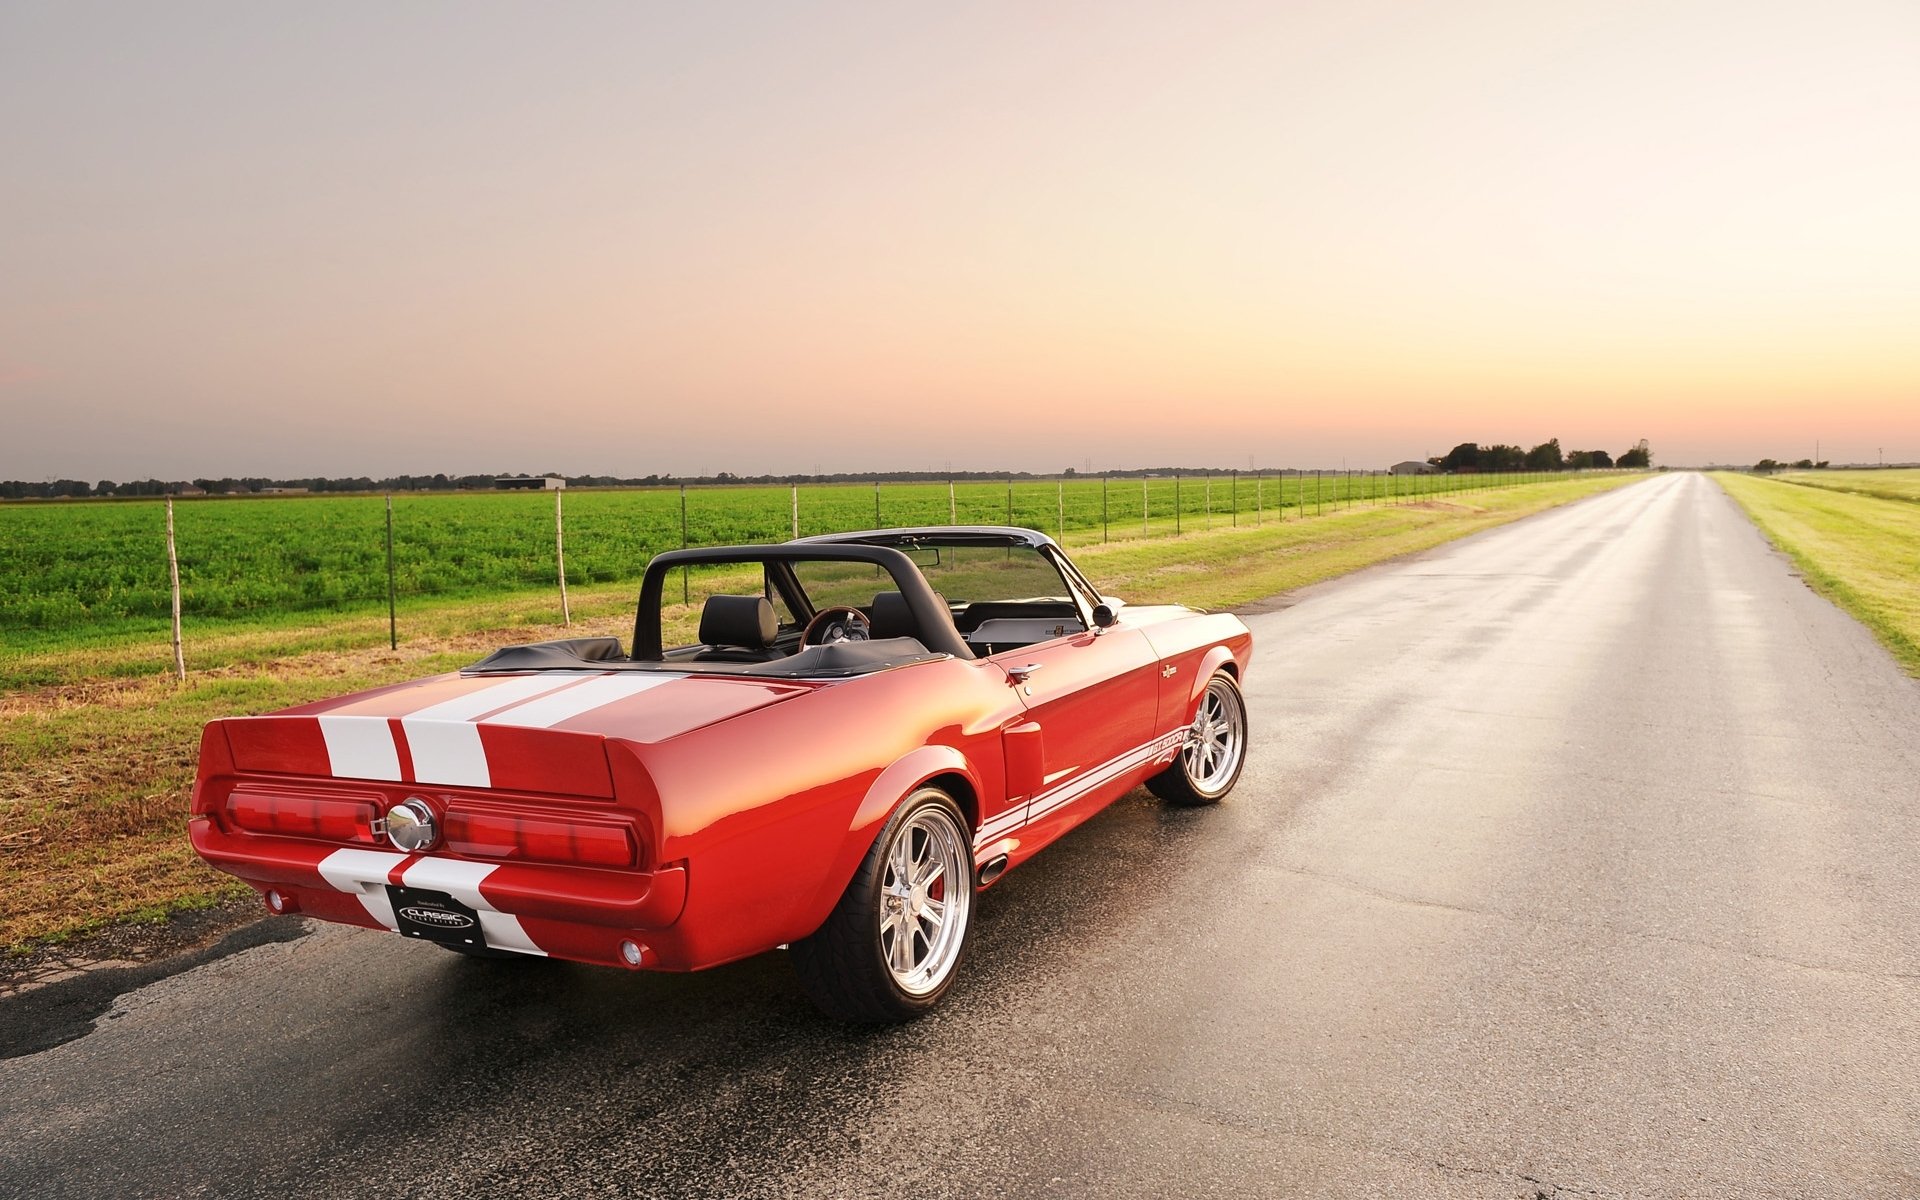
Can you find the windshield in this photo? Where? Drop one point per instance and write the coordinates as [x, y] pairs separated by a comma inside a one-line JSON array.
[[962, 574]]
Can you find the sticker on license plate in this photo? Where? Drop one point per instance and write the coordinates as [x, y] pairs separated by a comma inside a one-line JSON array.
[[435, 917]]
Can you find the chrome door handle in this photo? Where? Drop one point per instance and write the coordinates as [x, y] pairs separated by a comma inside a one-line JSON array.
[[1021, 674]]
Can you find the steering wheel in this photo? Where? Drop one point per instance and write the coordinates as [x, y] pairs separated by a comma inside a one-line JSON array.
[[837, 624]]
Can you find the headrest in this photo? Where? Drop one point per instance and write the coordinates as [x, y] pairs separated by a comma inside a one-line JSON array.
[[893, 617], [738, 621]]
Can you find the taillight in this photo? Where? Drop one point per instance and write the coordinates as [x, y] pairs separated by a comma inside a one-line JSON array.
[[302, 816], [486, 835]]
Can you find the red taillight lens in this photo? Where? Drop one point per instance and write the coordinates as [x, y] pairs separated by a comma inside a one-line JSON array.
[[539, 839], [302, 816]]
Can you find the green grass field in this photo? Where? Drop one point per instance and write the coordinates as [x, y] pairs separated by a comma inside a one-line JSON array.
[[1897, 484], [91, 576], [94, 769], [1860, 550]]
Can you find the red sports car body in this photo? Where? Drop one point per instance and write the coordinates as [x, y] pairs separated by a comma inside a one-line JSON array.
[[839, 777]]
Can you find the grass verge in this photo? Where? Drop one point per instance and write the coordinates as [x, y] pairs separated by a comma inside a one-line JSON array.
[[95, 770], [1860, 551]]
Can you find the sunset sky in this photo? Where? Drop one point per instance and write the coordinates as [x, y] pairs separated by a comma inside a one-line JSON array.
[[365, 238]]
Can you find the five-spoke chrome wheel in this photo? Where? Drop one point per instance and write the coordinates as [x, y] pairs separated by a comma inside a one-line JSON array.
[[922, 921], [1214, 750]]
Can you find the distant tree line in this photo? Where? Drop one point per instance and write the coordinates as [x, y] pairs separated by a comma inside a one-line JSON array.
[[1471, 457], [1799, 464], [16, 489]]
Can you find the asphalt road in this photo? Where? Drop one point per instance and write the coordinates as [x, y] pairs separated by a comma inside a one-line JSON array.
[[1579, 858]]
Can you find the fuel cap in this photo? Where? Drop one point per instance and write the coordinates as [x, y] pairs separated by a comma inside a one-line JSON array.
[[410, 825]]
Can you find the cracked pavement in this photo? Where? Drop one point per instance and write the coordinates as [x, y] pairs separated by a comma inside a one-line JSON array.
[[1574, 859]]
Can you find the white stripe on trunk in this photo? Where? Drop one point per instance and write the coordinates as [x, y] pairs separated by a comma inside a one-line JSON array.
[[550, 710], [445, 744], [360, 748]]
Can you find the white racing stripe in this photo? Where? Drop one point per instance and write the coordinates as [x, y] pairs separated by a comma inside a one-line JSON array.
[[364, 874], [548, 711], [445, 743], [461, 880], [443, 740], [360, 748], [1045, 802]]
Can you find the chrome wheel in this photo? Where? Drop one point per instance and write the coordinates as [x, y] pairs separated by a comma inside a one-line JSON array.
[[925, 899], [1216, 740]]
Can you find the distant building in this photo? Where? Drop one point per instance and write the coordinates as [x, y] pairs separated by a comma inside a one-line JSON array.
[[190, 490], [284, 491], [531, 483], [1410, 467]]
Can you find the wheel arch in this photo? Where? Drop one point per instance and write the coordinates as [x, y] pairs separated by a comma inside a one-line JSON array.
[[1217, 659], [940, 766]]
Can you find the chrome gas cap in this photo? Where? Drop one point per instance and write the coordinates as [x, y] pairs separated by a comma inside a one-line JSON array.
[[410, 825]]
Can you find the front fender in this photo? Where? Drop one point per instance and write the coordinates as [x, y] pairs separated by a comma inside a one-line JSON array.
[[1210, 662]]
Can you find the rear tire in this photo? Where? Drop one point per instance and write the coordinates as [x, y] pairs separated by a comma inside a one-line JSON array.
[[1215, 751], [895, 941]]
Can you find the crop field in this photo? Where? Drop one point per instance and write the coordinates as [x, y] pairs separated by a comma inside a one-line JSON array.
[[1896, 484], [1859, 549], [95, 573]]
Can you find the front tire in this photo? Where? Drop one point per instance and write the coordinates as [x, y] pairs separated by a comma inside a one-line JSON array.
[[894, 942], [1216, 748]]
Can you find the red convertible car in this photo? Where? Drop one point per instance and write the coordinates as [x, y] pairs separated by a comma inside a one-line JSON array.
[[870, 728]]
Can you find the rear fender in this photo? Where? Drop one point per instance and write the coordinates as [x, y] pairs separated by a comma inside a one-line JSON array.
[[884, 794]]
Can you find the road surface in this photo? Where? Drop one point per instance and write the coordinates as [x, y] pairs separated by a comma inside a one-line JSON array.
[[1580, 858]]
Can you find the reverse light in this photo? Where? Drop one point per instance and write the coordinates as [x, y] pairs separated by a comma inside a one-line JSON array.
[[537, 839], [632, 953], [301, 816]]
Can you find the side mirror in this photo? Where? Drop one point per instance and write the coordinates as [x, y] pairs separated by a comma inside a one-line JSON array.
[[1103, 616]]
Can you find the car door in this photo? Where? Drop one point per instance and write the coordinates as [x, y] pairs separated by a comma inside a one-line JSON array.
[[1093, 695]]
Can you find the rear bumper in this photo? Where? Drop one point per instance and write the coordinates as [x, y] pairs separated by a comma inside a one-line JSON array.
[[566, 912]]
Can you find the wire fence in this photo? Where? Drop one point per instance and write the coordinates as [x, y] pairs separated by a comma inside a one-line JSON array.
[[79, 570]]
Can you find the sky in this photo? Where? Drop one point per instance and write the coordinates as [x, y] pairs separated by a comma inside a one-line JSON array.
[[362, 239]]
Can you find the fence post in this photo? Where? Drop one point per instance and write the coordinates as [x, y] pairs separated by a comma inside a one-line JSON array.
[[173, 576], [1145, 507], [393, 621], [1234, 492], [953, 510], [559, 554], [1009, 499], [1103, 506], [1319, 505], [876, 504], [686, 588], [796, 510]]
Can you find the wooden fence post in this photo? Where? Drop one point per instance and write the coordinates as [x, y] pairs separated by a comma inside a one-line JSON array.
[[559, 554], [173, 575], [393, 619]]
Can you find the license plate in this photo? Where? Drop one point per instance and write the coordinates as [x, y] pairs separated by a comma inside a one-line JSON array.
[[435, 917]]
